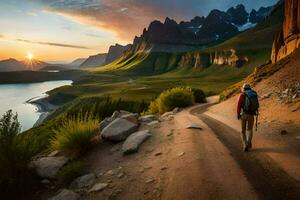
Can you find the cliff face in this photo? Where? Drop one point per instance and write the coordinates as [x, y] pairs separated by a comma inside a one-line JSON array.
[[115, 52], [94, 61], [203, 60], [289, 39]]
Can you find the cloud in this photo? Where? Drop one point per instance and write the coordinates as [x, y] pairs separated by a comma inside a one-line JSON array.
[[127, 18], [52, 44], [32, 14]]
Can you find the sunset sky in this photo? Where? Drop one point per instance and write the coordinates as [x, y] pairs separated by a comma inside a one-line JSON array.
[[60, 31]]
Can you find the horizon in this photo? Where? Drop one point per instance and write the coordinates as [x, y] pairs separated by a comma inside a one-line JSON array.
[[78, 29]]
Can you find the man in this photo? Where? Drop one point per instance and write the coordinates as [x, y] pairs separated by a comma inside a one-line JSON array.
[[247, 108]]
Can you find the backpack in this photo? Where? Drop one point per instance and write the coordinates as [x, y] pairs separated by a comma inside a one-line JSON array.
[[251, 103]]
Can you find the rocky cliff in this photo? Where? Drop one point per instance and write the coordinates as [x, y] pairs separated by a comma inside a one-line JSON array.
[[115, 52], [289, 40], [94, 61], [205, 59]]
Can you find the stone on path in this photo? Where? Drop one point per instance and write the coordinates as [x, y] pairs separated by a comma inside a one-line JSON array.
[[148, 118], [85, 181], [193, 126], [98, 187], [132, 143], [47, 167], [181, 154], [66, 195], [153, 123], [118, 130]]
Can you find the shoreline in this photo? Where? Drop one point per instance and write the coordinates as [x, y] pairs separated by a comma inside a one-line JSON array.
[[44, 107]]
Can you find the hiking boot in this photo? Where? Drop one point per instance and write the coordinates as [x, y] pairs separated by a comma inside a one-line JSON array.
[[245, 148], [250, 145]]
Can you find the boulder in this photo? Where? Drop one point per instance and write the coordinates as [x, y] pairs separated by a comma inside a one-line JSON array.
[[148, 118], [47, 167], [134, 118], [176, 110], [193, 126], [85, 181], [118, 114], [98, 187], [66, 195], [118, 130], [132, 143], [104, 123]]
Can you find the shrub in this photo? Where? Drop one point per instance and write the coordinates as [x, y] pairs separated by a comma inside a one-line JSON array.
[[170, 99], [75, 135], [71, 171], [15, 155], [199, 96]]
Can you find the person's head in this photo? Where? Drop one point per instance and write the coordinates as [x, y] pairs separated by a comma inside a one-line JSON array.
[[246, 87]]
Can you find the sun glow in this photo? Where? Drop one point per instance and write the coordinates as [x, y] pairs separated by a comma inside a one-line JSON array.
[[29, 56]]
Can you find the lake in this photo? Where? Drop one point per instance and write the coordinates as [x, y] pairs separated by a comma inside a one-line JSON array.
[[14, 96]]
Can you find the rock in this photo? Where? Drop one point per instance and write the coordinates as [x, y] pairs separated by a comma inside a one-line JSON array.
[[45, 181], [158, 154], [85, 181], [283, 132], [153, 123], [286, 91], [98, 187], [167, 114], [104, 123], [132, 143], [54, 153], [121, 175], [111, 172], [66, 195], [118, 114], [150, 180], [193, 126], [134, 118], [118, 130], [176, 110], [47, 167], [181, 154], [295, 96], [163, 168], [148, 118]]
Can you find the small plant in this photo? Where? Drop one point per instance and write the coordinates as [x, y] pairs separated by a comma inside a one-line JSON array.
[[71, 171], [199, 96], [75, 135], [15, 155], [172, 98]]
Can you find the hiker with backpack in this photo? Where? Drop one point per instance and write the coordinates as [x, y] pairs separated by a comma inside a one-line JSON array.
[[247, 109]]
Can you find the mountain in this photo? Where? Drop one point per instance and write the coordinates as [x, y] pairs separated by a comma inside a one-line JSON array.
[[77, 62], [12, 64], [115, 51], [289, 38], [94, 61], [218, 26]]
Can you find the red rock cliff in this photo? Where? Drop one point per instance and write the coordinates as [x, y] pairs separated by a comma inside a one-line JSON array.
[[289, 39]]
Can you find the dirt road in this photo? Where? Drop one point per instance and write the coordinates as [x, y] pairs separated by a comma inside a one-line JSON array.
[[187, 164]]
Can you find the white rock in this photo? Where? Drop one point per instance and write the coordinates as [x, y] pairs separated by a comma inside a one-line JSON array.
[[148, 118], [132, 143], [167, 114], [181, 154], [66, 195], [153, 123], [47, 167], [118, 130], [54, 153], [176, 110], [98, 187], [85, 181]]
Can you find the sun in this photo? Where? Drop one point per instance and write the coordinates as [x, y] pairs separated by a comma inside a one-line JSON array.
[[29, 56]]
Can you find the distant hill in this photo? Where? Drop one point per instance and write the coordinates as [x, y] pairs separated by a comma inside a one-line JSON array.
[[94, 61], [76, 63], [12, 64]]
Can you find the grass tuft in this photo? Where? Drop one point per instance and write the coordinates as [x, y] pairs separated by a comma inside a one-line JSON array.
[[75, 135]]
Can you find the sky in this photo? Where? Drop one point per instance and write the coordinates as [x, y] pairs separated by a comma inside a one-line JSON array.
[[63, 30]]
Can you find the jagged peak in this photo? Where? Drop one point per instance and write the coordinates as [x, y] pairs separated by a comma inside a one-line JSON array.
[[170, 21]]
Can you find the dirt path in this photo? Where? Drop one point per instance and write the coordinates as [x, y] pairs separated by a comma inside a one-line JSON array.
[[180, 163]]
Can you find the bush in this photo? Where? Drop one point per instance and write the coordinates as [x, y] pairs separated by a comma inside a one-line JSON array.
[[15, 155], [71, 171], [75, 135], [170, 99], [199, 96]]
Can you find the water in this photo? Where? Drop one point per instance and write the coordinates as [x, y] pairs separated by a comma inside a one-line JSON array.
[[14, 96]]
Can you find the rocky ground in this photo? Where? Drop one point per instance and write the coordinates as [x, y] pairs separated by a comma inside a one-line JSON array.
[[187, 154]]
